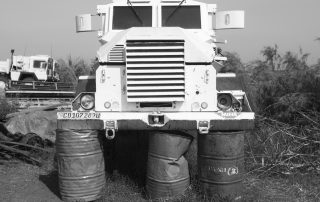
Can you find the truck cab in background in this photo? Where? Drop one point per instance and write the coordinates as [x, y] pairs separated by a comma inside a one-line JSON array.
[[33, 81], [28, 69], [33, 68]]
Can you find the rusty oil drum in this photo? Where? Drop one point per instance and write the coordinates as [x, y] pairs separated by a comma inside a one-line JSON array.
[[167, 169], [80, 165], [221, 164]]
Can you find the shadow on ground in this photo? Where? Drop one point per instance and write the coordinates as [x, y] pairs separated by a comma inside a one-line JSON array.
[[51, 181]]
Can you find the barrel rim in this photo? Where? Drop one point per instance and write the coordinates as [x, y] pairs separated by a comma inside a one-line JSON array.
[[221, 182], [173, 133], [213, 157], [170, 181]]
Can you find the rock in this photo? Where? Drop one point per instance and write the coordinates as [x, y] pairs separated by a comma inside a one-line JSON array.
[[43, 123]]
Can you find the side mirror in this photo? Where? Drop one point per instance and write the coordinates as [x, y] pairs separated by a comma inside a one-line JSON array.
[[230, 20], [83, 23]]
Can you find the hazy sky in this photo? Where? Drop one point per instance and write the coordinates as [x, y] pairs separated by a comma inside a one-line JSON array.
[[39, 26]]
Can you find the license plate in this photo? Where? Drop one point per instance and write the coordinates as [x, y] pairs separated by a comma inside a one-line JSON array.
[[228, 115], [79, 115]]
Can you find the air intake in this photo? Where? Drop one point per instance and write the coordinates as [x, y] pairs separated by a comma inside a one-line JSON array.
[[155, 70], [116, 54]]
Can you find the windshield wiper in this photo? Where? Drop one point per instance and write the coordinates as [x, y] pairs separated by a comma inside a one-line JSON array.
[[134, 11], [175, 9]]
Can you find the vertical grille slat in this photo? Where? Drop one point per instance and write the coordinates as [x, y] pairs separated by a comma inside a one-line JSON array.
[[155, 70]]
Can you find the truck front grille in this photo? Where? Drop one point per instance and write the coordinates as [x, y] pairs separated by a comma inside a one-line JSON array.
[[155, 70], [116, 54]]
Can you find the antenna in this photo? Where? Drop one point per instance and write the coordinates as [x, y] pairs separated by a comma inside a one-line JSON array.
[[51, 51], [25, 50], [11, 62]]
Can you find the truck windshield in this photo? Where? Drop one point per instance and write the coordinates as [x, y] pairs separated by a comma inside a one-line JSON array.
[[125, 17], [39, 64], [187, 17]]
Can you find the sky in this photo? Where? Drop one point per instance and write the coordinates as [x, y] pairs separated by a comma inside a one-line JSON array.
[[48, 27]]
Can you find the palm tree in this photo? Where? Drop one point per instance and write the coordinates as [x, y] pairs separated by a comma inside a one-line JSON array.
[[271, 56]]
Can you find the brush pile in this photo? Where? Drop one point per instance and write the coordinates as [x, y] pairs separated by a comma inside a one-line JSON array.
[[29, 147], [278, 147]]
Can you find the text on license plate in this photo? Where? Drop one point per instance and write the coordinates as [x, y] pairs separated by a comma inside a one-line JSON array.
[[229, 114], [81, 115]]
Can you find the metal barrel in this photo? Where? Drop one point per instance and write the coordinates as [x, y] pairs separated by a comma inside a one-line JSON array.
[[167, 169], [80, 165], [221, 164], [172, 145]]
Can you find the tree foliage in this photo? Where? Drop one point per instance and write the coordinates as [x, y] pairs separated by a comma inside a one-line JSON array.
[[233, 64], [285, 84], [70, 69]]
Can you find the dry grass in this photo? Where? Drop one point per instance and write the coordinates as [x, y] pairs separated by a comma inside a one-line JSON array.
[[267, 187], [127, 182], [280, 148], [289, 188]]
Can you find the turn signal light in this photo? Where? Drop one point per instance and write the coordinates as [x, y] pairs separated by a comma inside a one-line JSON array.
[[107, 105], [204, 105]]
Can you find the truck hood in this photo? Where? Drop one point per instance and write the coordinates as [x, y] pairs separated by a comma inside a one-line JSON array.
[[195, 50]]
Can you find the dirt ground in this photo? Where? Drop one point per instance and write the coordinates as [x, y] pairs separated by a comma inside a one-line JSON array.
[[29, 183], [23, 182]]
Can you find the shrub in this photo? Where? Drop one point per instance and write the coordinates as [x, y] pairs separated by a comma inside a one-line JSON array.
[[287, 96], [233, 64], [284, 85], [71, 69], [6, 108]]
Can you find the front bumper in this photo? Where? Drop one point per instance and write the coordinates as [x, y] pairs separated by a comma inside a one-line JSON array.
[[201, 121]]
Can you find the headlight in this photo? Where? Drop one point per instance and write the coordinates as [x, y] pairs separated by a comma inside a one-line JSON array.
[[87, 101], [224, 101], [228, 102]]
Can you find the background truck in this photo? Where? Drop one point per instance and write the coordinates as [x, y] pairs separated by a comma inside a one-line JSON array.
[[29, 68], [157, 72], [33, 81]]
